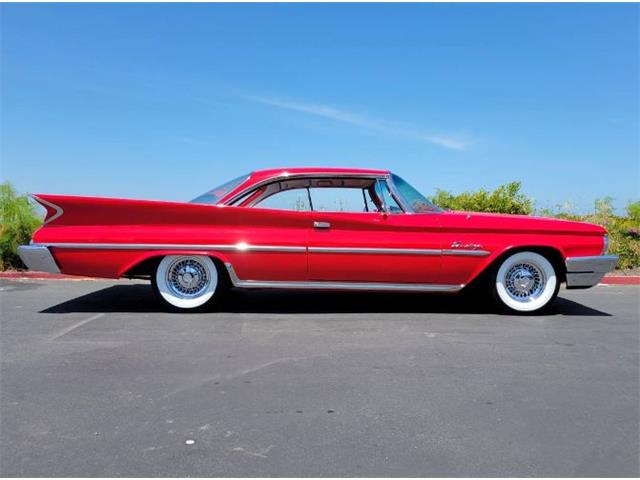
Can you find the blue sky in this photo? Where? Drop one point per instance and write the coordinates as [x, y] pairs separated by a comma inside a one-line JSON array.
[[165, 101]]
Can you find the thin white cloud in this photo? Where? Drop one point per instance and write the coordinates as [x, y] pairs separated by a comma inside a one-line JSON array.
[[363, 121], [448, 142]]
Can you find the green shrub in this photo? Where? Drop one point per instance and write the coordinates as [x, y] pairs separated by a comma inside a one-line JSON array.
[[633, 210], [504, 199], [624, 240], [18, 221]]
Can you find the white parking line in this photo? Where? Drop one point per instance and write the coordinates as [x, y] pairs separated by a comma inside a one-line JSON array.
[[74, 326]]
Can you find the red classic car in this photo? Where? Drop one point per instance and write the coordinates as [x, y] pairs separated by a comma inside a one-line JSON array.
[[316, 228]]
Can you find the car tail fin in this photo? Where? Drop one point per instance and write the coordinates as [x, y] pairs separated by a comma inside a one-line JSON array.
[[53, 211]]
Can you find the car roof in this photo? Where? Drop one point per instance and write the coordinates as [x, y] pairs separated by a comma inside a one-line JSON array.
[[278, 172], [259, 176]]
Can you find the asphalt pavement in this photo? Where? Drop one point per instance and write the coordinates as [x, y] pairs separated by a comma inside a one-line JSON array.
[[96, 381]]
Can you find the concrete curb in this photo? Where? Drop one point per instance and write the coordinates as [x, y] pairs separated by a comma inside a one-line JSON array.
[[621, 280]]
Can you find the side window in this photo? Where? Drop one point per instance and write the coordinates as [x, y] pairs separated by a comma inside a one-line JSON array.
[[328, 199], [296, 200], [369, 202], [382, 190]]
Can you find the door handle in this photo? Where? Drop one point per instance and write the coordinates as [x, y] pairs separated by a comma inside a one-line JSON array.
[[321, 225]]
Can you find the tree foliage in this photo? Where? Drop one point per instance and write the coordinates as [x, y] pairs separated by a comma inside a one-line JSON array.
[[633, 211], [505, 199], [18, 221]]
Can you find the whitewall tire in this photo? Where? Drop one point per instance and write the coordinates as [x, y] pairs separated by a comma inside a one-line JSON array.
[[186, 282], [525, 282]]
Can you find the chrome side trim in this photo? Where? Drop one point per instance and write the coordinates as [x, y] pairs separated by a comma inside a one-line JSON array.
[[38, 258], [59, 211], [238, 247], [245, 247], [382, 251], [323, 285], [267, 248], [466, 253], [588, 271]]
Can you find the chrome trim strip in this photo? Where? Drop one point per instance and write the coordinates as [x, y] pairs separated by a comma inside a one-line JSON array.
[[38, 258], [285, 175], [324, 285], [245, 247], [466, 253], [238, 247], [382, 251], [588, 271], [59, 210], [268, 248]]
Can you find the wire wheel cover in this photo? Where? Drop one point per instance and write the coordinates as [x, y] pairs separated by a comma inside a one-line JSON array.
[[524, 281], [187, 278]]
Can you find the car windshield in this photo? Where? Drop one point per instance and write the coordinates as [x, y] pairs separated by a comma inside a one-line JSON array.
[[213, 196], [412, 197]]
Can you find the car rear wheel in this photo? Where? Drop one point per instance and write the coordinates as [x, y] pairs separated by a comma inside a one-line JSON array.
[[186, 282], [525, 282]]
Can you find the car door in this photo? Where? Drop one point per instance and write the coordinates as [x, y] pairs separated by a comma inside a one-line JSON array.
[[270, 239], [388, 247]]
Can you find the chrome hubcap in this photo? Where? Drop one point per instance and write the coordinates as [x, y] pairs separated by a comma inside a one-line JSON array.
[[187, 278], [524, 281]]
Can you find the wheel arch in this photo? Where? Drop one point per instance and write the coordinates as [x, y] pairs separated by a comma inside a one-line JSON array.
[[553, 254], [146, 265]]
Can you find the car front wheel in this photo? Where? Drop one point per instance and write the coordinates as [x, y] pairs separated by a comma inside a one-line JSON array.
[[525, 282], [186, 282]]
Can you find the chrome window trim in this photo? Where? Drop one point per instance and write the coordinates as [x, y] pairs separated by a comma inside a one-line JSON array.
[[285, 176], [328, 285], [406, 207], [397, 196], [59, 211], [387, 178]]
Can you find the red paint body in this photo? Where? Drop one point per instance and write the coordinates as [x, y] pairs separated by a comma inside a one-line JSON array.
[[89, 220]]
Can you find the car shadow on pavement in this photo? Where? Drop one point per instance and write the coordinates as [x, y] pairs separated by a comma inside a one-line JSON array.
[[140, 298]]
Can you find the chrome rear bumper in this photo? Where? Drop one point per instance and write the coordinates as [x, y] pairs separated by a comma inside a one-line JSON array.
[[588, 271], [38, 258]]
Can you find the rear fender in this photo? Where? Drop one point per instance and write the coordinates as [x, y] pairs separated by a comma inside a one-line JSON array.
[[158, 254]]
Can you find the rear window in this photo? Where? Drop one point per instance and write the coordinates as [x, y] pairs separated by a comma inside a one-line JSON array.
[[213, 196]]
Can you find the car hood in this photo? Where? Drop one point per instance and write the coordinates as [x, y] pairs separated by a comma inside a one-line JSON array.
[[505, 222]]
